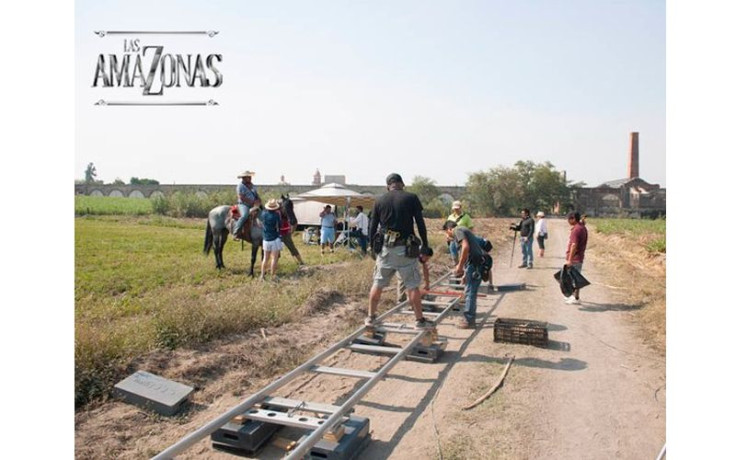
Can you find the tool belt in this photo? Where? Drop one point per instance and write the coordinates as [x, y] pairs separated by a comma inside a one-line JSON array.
[[392, 238]]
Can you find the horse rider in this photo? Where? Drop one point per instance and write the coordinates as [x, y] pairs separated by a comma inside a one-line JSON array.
[[247, 196]]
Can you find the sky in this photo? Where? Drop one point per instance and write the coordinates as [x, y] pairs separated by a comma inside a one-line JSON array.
[[436, 89]]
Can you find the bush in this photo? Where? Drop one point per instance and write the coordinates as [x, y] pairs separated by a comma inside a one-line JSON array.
[[160, 205]]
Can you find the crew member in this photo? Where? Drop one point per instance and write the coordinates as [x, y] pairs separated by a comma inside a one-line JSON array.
[[396, 212]]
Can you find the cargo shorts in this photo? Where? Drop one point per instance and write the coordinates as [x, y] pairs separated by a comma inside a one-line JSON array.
[[392, 260]]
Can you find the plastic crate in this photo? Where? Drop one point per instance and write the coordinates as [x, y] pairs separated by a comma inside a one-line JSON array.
[[523, 331]]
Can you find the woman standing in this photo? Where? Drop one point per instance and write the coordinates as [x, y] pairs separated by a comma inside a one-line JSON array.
[[271, 219], [285, 231], [541, 232]]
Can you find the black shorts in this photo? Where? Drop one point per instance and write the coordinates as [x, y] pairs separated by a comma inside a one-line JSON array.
[[540, 242]]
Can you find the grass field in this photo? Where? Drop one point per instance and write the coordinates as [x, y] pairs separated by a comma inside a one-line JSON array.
[[651, 234], [108, 206], [143, 283]]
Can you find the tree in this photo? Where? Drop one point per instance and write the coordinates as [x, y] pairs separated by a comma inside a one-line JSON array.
[[136, 181], [90, 174], [503, 191], [118, 181], [425, 189]]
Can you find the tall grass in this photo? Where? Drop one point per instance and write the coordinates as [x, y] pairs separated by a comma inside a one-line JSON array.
[[651, 234], [110, 205], [142, 283]]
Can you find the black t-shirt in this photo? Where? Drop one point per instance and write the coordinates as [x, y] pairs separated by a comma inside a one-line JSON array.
[[397, 210], [526, 226], [476, 252]]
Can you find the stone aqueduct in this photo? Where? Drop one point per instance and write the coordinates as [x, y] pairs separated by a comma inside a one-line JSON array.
[[150, 191], [635, 198]]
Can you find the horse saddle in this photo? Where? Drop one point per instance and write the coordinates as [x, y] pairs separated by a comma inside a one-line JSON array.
[[232, 218]]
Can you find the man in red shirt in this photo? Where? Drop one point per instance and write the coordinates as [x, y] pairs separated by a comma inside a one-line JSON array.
[[576, 250]]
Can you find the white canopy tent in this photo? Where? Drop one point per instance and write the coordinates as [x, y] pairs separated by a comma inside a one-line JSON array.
[[339, 195]]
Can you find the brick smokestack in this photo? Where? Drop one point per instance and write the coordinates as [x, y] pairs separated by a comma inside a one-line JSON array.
[[634, 156]]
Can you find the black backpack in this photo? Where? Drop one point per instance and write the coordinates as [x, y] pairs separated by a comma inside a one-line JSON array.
[[485, 266]]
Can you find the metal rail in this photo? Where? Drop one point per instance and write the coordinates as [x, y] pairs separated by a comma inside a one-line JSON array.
[[311, 365]]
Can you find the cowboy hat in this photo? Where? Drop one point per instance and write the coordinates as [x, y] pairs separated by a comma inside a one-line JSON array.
[[540, 214], [272, 205], [246, 174]]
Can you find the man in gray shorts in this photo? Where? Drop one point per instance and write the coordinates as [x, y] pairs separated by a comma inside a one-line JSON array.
[[396, 212]]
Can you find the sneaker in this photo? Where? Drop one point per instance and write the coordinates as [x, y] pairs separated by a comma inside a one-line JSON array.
[[370, 321], [530, 266], [572, 301], [464, 324], [522, 266], [423, 324]]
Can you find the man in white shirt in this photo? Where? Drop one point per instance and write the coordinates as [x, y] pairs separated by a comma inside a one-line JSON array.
[[360, 222]]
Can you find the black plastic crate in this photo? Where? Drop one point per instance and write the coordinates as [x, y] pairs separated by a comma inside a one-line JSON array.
[[523, 331]]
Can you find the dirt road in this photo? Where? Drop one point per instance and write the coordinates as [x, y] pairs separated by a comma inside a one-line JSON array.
[[596, 392]]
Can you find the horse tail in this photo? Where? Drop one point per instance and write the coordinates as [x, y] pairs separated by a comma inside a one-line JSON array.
[[208, 238]]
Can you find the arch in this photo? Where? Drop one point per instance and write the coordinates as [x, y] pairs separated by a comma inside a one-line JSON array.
[[446, 199], [116, 193], [136, 194], [157, 194], [610, 199], [96, 192], [201, 194]]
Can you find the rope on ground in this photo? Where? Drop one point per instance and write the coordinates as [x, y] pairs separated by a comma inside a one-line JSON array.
[[494, 388]]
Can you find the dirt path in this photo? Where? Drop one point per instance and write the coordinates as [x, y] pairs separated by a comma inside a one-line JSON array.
[[596, 392]]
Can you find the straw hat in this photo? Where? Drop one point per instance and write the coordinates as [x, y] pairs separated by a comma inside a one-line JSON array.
[[272, 205], [540, 214], [246, 174]]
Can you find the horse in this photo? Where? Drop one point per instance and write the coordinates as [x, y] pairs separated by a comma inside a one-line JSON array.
[[217, 230]]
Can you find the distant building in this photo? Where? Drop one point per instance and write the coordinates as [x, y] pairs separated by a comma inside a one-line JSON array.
[[317, 179], [337, 179], [628, 197]]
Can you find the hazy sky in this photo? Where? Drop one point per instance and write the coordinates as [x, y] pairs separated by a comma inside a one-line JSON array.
[[430, 88]]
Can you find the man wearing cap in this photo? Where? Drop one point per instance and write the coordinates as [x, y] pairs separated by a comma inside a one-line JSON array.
[[396, 212], [576, 250], [461, 219], [541, 228], [247, 196]]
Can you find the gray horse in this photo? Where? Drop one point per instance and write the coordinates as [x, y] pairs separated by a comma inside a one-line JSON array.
[[218, 227]]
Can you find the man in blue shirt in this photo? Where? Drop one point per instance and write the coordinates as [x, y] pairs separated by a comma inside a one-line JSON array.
[[327, 229], [247, 196]]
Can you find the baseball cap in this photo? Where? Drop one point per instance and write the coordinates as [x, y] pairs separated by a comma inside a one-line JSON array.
[[393, 177]]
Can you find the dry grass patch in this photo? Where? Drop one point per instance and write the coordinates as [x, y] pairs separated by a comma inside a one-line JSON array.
[[637, 274]]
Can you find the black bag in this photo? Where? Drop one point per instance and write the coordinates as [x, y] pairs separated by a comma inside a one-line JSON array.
[[412, 246], [376, 244], [578, 280], [485, 267], [570, 279]]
